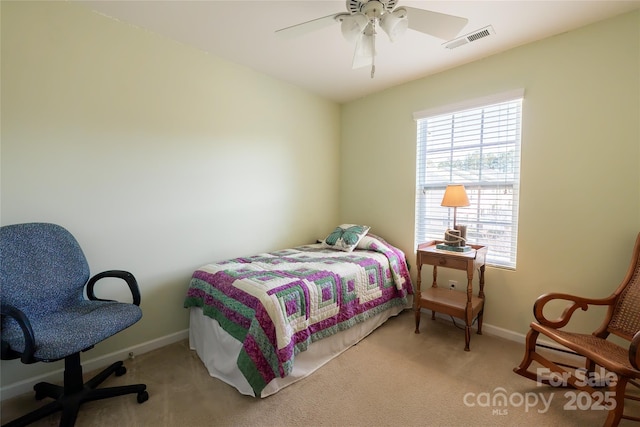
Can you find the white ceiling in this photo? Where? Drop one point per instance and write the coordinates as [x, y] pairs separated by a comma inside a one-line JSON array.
[[244, 32]]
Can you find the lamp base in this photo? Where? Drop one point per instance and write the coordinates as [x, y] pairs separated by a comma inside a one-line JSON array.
[[453, 248]]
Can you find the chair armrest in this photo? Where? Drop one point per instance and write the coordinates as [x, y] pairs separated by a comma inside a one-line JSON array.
[[634, 354], [29, 338], [577, 302], [119, 274]]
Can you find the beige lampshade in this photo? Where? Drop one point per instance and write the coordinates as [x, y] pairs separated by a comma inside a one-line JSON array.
[[455, 196]]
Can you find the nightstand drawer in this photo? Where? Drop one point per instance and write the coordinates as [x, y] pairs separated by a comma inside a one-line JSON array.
[[443, 261]]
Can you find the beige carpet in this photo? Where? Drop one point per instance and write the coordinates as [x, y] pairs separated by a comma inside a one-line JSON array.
[[392, 378]]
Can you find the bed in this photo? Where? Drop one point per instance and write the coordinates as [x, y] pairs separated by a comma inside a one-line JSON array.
[[263, 322]]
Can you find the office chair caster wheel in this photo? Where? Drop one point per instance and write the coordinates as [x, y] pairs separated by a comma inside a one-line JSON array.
[[120, 371], [143, 396]]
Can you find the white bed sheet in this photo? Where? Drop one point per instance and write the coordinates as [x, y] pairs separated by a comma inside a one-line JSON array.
[[219, 351]]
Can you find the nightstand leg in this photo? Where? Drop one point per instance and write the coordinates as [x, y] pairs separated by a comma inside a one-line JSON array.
[[416, 298], [435, 276], [468, 312], [481, 295], [434, 284], [467, 337]]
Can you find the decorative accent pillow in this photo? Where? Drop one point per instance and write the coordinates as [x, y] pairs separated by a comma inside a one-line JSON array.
[[345, 237]]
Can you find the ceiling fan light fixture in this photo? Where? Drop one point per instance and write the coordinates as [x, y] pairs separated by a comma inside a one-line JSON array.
[[395, 23], [352, 26]]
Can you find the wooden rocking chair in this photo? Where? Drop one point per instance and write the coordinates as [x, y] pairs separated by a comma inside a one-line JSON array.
[[622, 319]]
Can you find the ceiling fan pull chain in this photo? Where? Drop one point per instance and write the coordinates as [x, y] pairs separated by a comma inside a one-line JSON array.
[[373, 49]]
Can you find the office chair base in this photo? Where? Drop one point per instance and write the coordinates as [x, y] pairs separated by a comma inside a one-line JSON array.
[[74, 393]]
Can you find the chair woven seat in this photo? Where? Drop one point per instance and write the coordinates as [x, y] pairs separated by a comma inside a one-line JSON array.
[[603, 352]]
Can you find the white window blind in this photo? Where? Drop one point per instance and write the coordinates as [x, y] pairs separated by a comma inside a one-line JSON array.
[[479, 147]]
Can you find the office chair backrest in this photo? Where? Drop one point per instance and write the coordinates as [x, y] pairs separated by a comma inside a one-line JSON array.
[[42, 268], [625, 321]]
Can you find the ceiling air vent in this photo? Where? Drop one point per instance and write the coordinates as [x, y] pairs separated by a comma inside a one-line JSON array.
[[471, 37]]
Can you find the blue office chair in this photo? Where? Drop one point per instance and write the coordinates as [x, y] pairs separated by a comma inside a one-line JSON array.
[[46, 317]]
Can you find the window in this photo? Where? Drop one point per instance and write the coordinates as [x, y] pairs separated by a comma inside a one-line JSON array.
[[476, 144]]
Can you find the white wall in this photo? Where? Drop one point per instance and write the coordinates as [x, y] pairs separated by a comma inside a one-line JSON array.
[[580, 174], [157, 157]]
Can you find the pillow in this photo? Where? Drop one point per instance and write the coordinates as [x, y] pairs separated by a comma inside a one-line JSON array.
[[371, 242], [345, 237]]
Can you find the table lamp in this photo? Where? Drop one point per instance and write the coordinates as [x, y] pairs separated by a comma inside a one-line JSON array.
[[455, 197]]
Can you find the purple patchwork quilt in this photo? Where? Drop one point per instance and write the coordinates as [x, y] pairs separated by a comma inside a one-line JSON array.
[[276, 304]]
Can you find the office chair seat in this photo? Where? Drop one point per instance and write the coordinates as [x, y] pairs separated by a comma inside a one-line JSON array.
[[73, 329]]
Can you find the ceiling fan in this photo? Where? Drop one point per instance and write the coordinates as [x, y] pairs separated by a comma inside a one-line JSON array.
[[359, 25]]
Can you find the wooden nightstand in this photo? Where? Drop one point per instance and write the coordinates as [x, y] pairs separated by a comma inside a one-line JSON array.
[[463, 305]]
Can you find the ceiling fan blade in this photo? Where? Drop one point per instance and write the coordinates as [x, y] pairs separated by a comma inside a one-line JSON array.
[[364, 52], [361, 61], [307, 27], [440, 25]]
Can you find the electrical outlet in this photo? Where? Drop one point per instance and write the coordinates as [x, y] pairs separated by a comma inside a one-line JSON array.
[[453, 284]]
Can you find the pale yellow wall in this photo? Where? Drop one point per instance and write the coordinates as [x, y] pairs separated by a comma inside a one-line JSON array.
[[156, 156], [580, 182], [160, 158]]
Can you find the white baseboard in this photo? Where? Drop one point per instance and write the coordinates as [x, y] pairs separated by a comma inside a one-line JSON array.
[[26, 386], [489, 329], [497, 331]]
